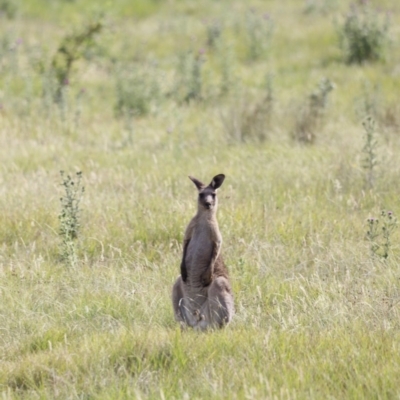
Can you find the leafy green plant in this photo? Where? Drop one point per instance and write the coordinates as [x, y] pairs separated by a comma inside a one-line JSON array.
[[364, 34], [369, 161], [70, 216], [311, 114], [379, 233]]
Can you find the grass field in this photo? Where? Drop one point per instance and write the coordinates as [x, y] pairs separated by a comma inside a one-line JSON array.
[[168, 89]]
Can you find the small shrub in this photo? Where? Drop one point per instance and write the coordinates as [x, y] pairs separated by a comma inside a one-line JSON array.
[[310, 115], [213, 32], [69, 216], [369, 160], [364, 34], [259, 32], [379, 234], [135, 90], [8, 8], [71, 49]]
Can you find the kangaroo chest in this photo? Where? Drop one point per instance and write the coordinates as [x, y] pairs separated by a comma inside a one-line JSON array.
[[200, 249]]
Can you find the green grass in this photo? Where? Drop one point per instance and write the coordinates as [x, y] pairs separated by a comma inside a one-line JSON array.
[[317, 315]]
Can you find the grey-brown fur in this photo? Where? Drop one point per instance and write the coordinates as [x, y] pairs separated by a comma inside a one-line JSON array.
[[202, 295]]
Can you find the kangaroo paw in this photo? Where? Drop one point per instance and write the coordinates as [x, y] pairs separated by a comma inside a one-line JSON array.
[[206, 279], [182, 311], [199, 317]]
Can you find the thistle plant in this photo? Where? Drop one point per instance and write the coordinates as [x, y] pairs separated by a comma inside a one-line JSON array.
[[379, 233], [69, 216], [369, 161]]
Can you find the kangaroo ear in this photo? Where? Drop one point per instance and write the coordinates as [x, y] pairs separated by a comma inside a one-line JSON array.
[[217, 181], [199, 185]]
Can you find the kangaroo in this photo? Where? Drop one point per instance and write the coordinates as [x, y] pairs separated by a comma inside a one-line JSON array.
[[202, 295]]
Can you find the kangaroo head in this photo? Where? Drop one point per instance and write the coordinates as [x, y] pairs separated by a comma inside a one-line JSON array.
[[208, 194]]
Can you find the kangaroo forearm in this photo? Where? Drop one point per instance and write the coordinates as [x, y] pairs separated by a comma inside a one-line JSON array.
[[214, 255], [183, 262], [183, 271], [209, 272]]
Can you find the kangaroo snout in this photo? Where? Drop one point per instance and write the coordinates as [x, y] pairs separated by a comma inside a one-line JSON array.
[[208, 203]]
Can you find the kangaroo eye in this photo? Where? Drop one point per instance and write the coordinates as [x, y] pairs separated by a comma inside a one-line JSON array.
[[201, 195]]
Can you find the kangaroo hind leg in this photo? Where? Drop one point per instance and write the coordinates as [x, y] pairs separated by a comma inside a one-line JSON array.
[[219, 309]]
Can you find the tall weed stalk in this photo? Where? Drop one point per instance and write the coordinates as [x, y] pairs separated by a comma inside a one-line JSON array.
[[70, 216], [369, 161]]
